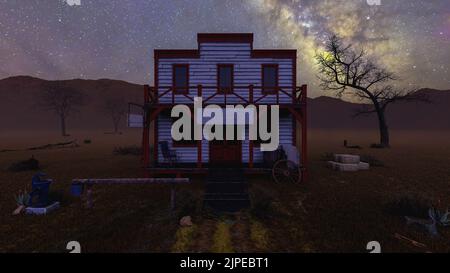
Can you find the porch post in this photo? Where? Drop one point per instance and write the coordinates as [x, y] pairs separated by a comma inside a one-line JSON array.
[[250, 144], [146, 129], [304, 153], [199, 142]]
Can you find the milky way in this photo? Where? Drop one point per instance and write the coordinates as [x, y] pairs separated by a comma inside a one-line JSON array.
[[115, 38]]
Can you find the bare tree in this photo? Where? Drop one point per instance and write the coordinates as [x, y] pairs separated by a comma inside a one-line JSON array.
[[343, 69], [61, 100], [116, 109]]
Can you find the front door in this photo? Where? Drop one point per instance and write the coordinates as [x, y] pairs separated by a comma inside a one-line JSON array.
[[225, 153]]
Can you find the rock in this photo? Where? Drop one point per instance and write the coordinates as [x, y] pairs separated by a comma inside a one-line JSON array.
[[364, 166], [18, 210], [343, 167], [347, 159], [42, 211], [186, 221]]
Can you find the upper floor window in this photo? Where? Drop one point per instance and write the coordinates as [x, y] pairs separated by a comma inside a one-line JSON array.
[[225, 78], [269, 78], [181, 78]]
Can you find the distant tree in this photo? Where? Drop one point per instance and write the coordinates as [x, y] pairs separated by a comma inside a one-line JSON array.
[[116, 108], [343, 69], [62, 100]]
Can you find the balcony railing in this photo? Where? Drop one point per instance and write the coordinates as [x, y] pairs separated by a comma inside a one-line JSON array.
[[249, 94]]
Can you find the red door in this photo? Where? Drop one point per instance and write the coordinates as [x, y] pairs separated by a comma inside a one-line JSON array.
[[225, 153]]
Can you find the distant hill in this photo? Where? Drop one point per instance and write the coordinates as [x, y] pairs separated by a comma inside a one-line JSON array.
[[332, 113], [18, 110]]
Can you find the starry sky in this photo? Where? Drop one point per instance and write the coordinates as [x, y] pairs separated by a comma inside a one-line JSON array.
[[91, 39]]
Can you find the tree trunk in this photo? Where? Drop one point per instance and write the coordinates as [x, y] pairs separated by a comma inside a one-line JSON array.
[[116, 127], [384, 130], [63, 126]]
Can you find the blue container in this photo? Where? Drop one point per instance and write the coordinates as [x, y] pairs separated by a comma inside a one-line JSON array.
[[76, 189], [40, 188]]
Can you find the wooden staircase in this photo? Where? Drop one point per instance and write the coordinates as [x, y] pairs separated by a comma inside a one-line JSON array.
[[226, 190]]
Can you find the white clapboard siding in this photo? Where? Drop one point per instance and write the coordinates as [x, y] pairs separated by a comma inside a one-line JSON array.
[[203, 71], [189, 154], [247, 71]]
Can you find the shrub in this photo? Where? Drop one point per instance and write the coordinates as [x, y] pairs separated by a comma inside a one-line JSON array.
[[186, 203], [410, 205], [262, 204], [327, 156], [222, 239], [26, 165], [183, 239], [128, 150], [23, 199]]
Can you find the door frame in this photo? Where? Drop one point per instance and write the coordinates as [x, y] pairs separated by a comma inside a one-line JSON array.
[[225, 142]]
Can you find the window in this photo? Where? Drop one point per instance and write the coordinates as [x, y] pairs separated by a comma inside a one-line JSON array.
[[225, 78], [181, 78], [269, 78], [185, 143]]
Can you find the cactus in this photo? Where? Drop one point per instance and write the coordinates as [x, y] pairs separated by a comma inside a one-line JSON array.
[[441, 218], [23, 199]]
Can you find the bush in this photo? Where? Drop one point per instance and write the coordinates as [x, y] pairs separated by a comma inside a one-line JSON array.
[[262, 204], [374, 162], [128, 150], [327, 156], [26, 165], [186, 203], [410, 205]]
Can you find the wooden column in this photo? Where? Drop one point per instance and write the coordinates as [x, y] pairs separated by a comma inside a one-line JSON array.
[[304, 154], [250, 144], [199, 142], [146, 129]]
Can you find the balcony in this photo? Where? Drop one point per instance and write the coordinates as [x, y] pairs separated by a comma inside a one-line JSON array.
[[244, 95]]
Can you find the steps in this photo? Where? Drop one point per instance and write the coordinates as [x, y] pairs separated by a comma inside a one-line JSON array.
[[226, 190], [347, 163]]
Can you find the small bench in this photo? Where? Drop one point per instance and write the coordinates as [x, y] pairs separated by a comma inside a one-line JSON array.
[[79, 185]]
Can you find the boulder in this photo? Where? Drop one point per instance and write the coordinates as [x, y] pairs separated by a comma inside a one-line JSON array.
[[186, 221], [347, 159], [343, 167], [18, 210], [364, 166]]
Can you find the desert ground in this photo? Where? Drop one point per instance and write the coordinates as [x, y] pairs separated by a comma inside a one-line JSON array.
[[331, 212]]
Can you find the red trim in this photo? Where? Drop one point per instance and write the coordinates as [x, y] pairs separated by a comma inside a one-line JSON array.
[[223, 143], [274, 53], [155, 123], [155, 141], [146, 132], [225, 38], [218, 77], [180, 90], [268, 90], [176, 53]]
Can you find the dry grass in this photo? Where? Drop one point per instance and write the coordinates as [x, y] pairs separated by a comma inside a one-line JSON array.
[[222, 239], [332, 212]]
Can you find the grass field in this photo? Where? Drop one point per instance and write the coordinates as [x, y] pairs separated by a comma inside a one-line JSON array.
[[332, 212]]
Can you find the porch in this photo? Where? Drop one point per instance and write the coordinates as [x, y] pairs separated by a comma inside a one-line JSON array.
[[292, 99], [189, 169]]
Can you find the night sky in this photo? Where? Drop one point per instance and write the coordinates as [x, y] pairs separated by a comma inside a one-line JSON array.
[[59, 39]]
